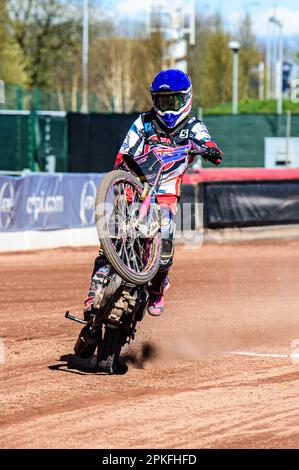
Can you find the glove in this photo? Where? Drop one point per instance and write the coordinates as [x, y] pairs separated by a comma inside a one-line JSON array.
[[212, 153], [118, 161]]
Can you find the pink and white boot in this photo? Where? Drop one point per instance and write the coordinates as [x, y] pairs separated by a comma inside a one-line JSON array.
[[156, 300]]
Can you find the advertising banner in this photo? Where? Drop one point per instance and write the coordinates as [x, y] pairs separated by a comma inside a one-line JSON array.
[[47, 201], [66, 200]]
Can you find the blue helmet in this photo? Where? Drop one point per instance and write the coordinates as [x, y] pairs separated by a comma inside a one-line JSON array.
[[171, 92]]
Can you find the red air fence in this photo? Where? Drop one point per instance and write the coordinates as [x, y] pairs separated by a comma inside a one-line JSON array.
[[240, 197]]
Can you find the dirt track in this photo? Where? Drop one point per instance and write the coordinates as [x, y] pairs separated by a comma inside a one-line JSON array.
[[195, 393]]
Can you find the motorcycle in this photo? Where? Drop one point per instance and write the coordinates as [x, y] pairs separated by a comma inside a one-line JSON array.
[[128, 224]]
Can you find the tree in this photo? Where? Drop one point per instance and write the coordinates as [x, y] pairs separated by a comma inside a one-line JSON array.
[[210, 63], [43, 47], [12, 60], [121, 70], [250, 55], [45, 35]]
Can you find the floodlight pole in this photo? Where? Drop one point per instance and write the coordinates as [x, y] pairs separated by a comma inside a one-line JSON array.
[[279, 64], [192, 29], [235, 46], [268, 65], [261, 75], [84, 104], [279, 70], [175, 30]]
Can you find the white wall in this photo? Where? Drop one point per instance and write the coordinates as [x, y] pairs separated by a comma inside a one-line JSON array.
[[36, 239]]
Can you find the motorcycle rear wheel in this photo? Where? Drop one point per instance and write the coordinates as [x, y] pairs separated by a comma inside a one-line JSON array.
[[109, 351]]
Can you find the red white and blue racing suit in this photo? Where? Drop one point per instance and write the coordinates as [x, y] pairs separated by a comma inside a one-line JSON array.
[[145, 132]]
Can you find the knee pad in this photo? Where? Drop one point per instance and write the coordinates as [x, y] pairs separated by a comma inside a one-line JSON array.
[[167, 253], [167, 223], [167, 234]]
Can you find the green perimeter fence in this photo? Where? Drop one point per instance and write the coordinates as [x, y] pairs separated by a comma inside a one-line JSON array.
[[242, 137], [18, 97], [27, 139]]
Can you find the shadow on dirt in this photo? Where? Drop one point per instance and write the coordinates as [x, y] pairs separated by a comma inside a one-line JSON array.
[[76, 365]]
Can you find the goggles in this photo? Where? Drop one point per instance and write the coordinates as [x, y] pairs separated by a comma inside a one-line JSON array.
[[170, 102]]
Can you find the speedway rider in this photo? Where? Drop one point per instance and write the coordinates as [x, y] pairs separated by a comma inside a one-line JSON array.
[[169, 123]]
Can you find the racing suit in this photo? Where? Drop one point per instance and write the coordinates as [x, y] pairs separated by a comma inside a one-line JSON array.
[[145, 132]]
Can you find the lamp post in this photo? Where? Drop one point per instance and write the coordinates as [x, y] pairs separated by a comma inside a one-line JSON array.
[[268, 64], [261, 75], [235, 46], [279, 64], [84, 104]]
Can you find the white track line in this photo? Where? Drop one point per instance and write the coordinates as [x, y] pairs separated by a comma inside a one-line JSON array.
[[245, 353]]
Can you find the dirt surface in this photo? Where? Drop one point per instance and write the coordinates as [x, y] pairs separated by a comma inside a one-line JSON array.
[[197, 391]]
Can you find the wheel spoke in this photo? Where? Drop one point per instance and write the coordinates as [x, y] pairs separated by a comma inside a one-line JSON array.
[[140, 255], [130, 254], [130, 245], [122, 253]]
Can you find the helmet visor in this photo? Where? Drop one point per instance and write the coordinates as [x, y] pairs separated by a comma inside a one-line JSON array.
[[170, 102]]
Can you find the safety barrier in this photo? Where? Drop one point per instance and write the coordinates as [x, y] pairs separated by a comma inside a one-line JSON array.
[[47, 210], [243, 197]]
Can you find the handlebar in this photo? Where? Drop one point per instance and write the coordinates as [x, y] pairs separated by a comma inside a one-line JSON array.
[[193, 153]]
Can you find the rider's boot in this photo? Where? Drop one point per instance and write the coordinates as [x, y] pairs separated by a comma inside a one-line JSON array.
[[156, 298]]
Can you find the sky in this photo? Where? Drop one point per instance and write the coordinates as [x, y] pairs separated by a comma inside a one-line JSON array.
[[287, 11]]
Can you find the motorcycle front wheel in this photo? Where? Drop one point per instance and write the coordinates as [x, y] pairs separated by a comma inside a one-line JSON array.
[[133, 253]]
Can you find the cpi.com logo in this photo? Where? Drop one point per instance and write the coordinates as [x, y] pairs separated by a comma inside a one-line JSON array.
[[42, 204], [88, 194], [7, 196]]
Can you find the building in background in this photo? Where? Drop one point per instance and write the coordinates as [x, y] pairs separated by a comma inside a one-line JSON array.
[[177, 24]]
